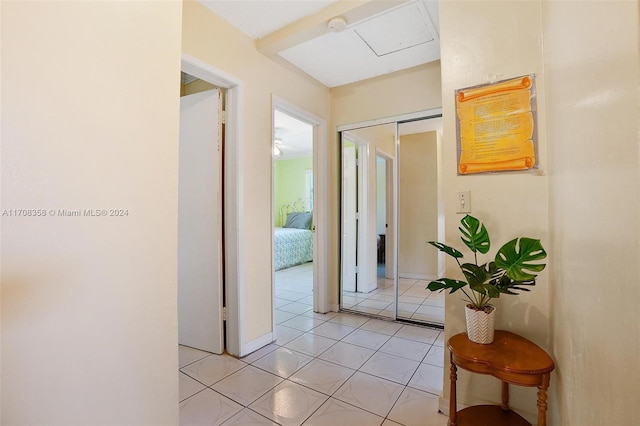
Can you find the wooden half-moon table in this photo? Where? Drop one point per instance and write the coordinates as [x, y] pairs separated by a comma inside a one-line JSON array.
[[510, 358]]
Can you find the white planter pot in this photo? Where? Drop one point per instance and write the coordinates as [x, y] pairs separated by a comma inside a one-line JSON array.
[[480, 325]]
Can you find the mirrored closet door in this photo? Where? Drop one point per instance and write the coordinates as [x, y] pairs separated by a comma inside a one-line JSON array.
[[389, 171], [367, 273]]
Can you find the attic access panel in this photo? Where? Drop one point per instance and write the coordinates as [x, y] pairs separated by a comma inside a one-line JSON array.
[[398, 29]]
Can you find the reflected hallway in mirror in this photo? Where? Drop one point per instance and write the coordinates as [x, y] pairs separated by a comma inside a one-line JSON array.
[[391, 170], [418, 221]]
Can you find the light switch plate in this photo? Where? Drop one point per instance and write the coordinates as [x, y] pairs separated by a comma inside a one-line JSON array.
[[464, 201]]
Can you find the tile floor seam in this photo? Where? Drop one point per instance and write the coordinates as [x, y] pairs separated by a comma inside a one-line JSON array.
[[224, 377], [247, 405], [385, 417], [328, 395], [422, 390], [354, 406], [191, 377], [387, 379], [254, 411], [283, 378], [193, 394], [264, 417]]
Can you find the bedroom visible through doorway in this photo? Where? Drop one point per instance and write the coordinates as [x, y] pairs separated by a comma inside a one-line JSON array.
[[293, 226]]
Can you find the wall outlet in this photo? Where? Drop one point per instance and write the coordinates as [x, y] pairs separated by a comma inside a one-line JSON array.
[[464, 202]]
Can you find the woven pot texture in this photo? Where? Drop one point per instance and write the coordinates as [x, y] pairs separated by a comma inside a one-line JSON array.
[[480, 325]]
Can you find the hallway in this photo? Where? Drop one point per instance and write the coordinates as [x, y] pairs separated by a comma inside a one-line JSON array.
[[324, 369]]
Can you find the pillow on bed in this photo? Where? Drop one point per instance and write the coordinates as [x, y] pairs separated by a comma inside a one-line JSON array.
[[300, 220]]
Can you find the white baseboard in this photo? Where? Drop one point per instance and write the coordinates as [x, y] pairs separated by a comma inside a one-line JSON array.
[[443, 406], [417, 276]]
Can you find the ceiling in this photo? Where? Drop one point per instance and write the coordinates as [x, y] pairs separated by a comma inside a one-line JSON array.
[[379, 37], [293, 138]]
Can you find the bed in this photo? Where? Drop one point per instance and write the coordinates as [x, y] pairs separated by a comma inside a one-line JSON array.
[[293, 242]]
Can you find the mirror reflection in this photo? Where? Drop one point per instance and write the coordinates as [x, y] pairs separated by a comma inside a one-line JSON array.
[[373, 194], [367, 211], [418, 212]]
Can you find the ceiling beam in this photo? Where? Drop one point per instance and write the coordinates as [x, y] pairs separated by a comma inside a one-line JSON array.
[[315, 25]]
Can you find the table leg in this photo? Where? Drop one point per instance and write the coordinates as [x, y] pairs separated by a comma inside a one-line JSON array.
[[452, 396], [505, 396], [542, 400]]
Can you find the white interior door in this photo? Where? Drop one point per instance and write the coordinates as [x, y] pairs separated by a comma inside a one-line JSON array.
[[366, 221], [390, 239], [199, 223], [349, 221]]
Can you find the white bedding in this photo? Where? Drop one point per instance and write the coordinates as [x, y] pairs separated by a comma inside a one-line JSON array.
[[292, 247]]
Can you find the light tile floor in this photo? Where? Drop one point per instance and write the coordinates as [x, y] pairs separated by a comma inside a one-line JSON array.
[[415, 302], [324, 369]]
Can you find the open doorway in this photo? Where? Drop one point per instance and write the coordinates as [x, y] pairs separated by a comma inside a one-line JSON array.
[[231, 192], [293, 218]]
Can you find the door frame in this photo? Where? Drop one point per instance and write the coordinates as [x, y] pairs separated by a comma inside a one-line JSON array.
[[320, 202], [388, 206], [366, 275], [232, 213]]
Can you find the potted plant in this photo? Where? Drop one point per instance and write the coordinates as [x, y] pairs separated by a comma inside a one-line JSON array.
[[511, 271]]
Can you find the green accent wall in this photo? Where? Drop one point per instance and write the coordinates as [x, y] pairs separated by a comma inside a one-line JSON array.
[[289, 183]]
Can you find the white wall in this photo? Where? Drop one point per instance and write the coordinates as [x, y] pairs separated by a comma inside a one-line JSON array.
[[592, 98], [583, 202], [90, 121], [481, 40]]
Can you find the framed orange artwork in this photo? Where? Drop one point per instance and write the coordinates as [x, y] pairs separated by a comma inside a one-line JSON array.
[[496, 126]]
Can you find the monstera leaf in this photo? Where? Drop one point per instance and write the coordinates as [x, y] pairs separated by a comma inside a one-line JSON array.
[[446, 283], [479, 279], [503, 283], [445, 248], [474, 235], [515, 257]]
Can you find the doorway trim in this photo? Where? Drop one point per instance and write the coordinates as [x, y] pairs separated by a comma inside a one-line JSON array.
[[320, 201], [233, 216]]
